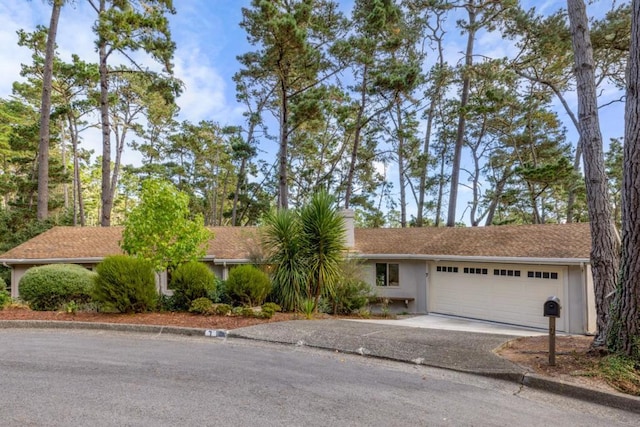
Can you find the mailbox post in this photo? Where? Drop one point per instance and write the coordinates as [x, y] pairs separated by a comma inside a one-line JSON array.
[[552, 311]]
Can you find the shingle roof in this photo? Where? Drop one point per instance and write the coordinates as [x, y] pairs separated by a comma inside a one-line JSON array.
[[99, 242], [556, 241], [508, 241]]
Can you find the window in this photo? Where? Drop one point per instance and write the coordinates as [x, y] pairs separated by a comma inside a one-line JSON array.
[[508, 273], [447, 269], [387, 274], [542, 275]]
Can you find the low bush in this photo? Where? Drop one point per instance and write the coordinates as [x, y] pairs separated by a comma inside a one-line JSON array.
[[202, 306], [190, 281], [248, 285], [49, 287], [5, 298], [125, 284], [349, 296], [271, 306], [222, 309], [220, 294]]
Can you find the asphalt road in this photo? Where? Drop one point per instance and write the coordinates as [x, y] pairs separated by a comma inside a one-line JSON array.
[[95, 378]]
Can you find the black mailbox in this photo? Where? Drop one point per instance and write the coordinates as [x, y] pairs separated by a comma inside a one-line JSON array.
[[552, 307]]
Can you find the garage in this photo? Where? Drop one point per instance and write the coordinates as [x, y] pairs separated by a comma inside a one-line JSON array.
[[505, 293]]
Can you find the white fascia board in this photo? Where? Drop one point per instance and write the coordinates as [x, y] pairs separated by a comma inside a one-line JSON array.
[[220, 261], [486, 259]]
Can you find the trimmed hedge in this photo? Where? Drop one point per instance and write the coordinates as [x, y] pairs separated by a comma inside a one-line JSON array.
[[248, 285], [48, 287], [125, 284], [190, 281]]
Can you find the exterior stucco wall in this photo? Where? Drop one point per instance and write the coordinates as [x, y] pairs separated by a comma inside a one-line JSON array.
[[412, 285]]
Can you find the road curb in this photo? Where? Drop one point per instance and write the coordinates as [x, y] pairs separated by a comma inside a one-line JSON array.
[[120, 327], [616, 400]]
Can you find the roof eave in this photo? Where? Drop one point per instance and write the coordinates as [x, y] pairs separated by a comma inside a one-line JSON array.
[[490, 259]]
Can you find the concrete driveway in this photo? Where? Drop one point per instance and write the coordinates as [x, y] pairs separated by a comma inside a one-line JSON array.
[[451, 323]]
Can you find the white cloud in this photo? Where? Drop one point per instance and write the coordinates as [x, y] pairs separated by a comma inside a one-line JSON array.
[[204, 96]]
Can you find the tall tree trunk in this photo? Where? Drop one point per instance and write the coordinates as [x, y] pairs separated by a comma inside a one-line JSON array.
[[236, 195], [466, 83], [491, 210], [65, 169], [106, 198], [283, 156], [78, 201], [604, 247], [422, 189], [356, 139], [401, 176], [625, 318], [45, 113], [441, 184]]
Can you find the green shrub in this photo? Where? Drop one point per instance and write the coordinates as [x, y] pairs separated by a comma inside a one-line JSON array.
[[49, 287], [166, 303], [222, 309], [190, 281], [220, 294], [271, 306], [267, 312], [5, 298], [349, 296], [202, 306], [247, 312], [248, 285], [125, 284]]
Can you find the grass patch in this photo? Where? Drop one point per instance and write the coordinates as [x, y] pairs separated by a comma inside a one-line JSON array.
[[621, 372]]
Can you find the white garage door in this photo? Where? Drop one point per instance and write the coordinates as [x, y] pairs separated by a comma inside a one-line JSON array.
[[501, 293]]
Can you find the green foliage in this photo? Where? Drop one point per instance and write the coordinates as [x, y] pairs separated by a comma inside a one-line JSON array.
[[190, 281], [248, 285], [272, 306], [247, 312], [202, 306], [269, 309], [125, 284], [220, 293], [306, 249], [71, 307], [622, 373], [5, 298], [351, 293], [350, 296], [323, 243], [282, 242], [50, 286], [308, 306], [222, 309], [159, 229]]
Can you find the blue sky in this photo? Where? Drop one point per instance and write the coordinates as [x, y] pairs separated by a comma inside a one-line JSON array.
[[208, 40]]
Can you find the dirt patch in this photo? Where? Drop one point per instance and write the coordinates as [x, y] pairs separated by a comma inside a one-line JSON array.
[[575, 364]]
